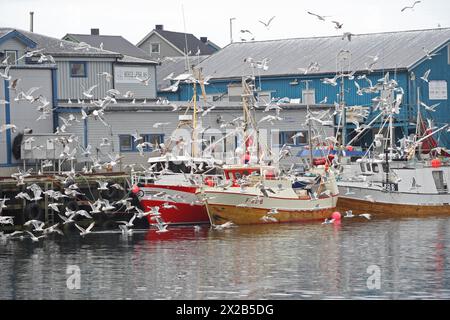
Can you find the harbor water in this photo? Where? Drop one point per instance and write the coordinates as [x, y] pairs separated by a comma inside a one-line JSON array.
[[358, 259]]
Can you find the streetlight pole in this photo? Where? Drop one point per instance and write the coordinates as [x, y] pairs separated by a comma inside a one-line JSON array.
[[231, 29]]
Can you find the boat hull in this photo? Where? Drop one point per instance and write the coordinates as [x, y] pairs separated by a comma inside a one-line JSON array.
[[393, 204], [220, 214], [391, 209], [225, 207], [188, 210]]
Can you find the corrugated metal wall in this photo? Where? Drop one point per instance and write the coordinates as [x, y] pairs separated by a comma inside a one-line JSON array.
[[123, 123], [2, 121], [24, 114], [140, 90], [440, 70], [70, 88]]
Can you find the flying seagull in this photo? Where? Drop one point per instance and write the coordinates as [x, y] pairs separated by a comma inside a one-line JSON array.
[[322, 18], [338, 24], [412, 6], [426, 75], [266, 24]]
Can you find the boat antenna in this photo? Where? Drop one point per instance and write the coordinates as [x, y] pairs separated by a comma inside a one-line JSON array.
[[186, 51]]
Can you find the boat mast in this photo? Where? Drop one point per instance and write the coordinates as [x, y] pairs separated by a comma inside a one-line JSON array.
[[194, 121], [418, 123], [309, 124]]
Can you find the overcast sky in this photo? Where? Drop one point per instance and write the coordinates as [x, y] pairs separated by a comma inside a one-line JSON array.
[[133, 19]]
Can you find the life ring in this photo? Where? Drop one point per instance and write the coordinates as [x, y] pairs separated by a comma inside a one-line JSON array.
[[33, 211]]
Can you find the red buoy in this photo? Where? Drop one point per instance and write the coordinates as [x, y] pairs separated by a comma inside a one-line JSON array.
[[336, 216], [436, 163], [135, 189]]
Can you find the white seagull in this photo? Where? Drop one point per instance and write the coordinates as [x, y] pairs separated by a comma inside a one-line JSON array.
[[86, 231]]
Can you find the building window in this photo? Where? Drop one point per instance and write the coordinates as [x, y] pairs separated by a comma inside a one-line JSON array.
[[78, 69], [294, 138], [126, 142], [155, 48], [154, 139], [11, 55], [309, 97], [437, 90]]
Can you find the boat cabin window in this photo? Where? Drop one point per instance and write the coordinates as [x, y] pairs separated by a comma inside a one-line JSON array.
[[375, 168], [385, 168], [368, 167], [363, 167], [438, 177]]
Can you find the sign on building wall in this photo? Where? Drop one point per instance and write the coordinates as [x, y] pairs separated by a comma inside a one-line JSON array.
[[438, 90], [129, 74]]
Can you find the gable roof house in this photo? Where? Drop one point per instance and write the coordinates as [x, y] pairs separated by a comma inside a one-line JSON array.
[[160, 43], [65, 80]]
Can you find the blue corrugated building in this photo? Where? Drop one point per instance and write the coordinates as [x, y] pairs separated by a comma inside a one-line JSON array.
[[281, 68]]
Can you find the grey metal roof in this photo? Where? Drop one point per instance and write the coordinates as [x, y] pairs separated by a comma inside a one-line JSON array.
[[396, 50], [111, 43], [175, 65], [179, 40], [134, 60], [57, 47]]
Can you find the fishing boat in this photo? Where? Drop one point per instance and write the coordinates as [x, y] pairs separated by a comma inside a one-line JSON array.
[[254, 192], [174, 189], [392, 180], [172, 182], [267, 197]]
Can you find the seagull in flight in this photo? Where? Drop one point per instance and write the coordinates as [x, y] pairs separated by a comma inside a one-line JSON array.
[[411, 7], [430, 108], [347, 35], [86, 231], [322, 18], [144, 81], [266, 24], [338, 24], [87, 93], [34, 238], [429, 54], [426, 75]]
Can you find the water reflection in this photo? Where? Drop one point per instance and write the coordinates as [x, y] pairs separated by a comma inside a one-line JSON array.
[[298, 261]]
